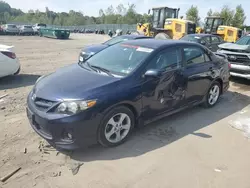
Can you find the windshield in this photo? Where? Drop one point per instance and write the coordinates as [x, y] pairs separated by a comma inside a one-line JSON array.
[[243, 41], [209, 22], [115, 40], [41, 25], [27, 26], [190, 38], [120, 59]]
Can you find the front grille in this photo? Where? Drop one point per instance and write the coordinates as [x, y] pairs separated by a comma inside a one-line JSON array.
[[43, 104], [238, 58], [42, 129]]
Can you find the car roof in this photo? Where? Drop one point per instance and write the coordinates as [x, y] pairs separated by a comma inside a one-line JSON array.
[[135, 36], [156, 43], [201, 35]]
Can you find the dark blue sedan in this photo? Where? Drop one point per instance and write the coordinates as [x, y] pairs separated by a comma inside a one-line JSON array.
[[88, 51], [126, 85]]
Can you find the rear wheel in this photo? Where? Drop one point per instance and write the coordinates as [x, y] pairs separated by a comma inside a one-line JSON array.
[[213, 95], [163, 36], [116, 127]]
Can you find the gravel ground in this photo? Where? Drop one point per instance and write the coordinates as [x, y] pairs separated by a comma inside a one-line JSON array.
[[194, 148]]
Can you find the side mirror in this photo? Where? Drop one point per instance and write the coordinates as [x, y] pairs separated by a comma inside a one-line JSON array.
[[152, 73], [203, 42]]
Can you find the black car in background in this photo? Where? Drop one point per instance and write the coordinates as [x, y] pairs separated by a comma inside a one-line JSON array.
[[88, 51], [208, 40]]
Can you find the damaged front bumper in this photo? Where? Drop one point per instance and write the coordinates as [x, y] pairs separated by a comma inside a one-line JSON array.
[[242, 71]]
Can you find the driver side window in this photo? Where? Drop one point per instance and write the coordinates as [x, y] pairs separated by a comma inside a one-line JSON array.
[[166, 59]]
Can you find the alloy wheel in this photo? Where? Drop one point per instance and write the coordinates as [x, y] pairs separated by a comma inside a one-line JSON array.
[[214, 94], [117, 128]]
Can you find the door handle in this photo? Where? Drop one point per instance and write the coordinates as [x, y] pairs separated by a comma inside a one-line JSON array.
[[211, 69]]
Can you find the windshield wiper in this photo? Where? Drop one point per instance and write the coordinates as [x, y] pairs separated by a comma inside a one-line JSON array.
[[102, 69]]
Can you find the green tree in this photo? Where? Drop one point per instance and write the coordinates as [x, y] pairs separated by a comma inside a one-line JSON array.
[[227, 14], [210, 12], [131, 15], [239, 17], [192, 14]]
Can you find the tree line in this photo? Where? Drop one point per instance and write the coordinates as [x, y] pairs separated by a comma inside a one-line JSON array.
[[232, 17], [119, 15], [122, 14]]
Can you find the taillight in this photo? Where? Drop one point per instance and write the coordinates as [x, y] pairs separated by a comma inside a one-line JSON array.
[[9, 54], [229, 65]]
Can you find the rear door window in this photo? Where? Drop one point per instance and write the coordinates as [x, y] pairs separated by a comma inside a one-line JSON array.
[[195, 55]]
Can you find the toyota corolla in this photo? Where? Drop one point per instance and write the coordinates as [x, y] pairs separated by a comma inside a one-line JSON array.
[[129, 84]]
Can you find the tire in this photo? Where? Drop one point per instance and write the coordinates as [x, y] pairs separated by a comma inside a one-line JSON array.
[[163, 36], [209, 102], [107, 133]]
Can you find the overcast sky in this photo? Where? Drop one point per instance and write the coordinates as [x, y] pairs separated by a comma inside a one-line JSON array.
[[91, 7]]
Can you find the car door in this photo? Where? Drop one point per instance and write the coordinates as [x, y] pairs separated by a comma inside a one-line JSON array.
[[199, 71], [166, 92], [215, 41]]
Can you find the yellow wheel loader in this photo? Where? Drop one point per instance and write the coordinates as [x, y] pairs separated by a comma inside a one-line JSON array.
[[166, 25], [214, 25]]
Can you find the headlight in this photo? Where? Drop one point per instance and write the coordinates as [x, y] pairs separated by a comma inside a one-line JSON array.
[[73, 107]]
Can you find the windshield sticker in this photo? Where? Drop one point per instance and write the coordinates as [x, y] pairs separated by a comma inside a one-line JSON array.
[[125, 71], [147, 50], [129, 46]]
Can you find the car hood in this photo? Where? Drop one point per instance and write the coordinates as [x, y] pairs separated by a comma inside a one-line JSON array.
[[94, 48], [71, 82], [232, 46]]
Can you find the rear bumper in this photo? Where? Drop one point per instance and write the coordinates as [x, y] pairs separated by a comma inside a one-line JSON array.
[[27, 32], [11, 32]]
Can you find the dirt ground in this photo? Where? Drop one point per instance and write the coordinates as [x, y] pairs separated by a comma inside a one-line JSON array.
[[195, 148]]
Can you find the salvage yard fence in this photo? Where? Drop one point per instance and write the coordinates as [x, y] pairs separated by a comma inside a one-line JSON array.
[[105, 27]]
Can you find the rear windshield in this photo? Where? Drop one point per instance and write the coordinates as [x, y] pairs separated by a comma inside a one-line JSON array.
[[243, 40], [120, 59], [27, 26], [191, 38], [221, 28], [41, 25], [11, 26], [115, 40]]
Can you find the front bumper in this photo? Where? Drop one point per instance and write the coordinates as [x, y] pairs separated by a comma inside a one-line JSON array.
[[242, 71], [55, 127]]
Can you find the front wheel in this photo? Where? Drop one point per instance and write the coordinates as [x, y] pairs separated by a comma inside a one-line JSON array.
[[213, 95], [116, 127]]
